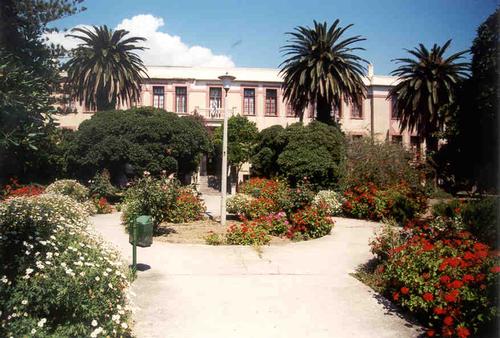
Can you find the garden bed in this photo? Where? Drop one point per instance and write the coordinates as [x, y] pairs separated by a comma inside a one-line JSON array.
[[196, 232]]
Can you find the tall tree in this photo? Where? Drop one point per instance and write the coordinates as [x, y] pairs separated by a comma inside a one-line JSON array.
[[104, 69], [29, 75], [426, 92], [321, 69]]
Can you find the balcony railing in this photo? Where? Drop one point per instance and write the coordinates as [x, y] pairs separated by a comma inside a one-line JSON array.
[[214, 114]]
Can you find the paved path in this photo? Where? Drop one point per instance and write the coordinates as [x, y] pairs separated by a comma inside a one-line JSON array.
[[296, 290]]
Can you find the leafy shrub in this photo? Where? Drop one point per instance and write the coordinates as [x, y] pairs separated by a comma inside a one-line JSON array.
[[480, 216], [261, 206], [269, 145], [69, 188], [385, 164], [57, 279], [247, 233], [188, 207], [238, 204], [443, 276], [100, 186], [149, 196], [387, 237], [310, 222], [330, 200]]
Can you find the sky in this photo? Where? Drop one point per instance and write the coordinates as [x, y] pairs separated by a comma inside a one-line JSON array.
[[250, 33]]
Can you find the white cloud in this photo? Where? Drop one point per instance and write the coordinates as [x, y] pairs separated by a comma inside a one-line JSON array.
[[163, 49]]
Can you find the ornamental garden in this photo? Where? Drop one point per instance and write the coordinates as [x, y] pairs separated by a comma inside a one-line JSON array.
[[435, 251]]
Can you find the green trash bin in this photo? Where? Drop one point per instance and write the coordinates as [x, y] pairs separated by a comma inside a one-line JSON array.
[[144, 228]]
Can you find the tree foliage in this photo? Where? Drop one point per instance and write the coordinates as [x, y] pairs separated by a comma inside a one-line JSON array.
[[471, 156], [427, 89], [104, 69], [142, 139], [322, 69], [241, 136], [29, 75], [315, 152]]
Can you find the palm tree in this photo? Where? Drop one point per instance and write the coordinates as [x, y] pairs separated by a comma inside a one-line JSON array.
[[104, 69], [321, 69], [425, 93]]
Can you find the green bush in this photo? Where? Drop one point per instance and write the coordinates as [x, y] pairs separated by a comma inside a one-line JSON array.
[[447, 208], [57, 279], [315, 152], [100, 186], [330, 200], [69, 188], [269, 145], [149, 196], [140, 139]]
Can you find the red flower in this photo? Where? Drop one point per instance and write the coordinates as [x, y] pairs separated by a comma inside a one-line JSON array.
[[448, 321], [456, 284], [426, 275], [469, 255], [431, 333], [439, 311], [428, 297], [467, 278], [445, 279], [495, 269], [451, 297], [480, 277], [463, 332], [405, 290], [395, 296]]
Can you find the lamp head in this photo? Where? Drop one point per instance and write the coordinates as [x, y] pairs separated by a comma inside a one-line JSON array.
[[226, 81]]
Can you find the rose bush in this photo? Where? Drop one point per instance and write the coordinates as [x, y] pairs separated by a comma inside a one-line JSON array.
[[309, 223], [442, 275], [57, 278], [188, 207], [247, 233]]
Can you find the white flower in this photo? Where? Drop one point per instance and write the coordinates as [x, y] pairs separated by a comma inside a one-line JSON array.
[[4, 279], [115, 318], [94, 323], [33, 331], [24, 302], [97, 278], [124, 325], [28, 271], [41, 322]]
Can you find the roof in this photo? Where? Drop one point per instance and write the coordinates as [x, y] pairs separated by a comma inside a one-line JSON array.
[[242, 74]]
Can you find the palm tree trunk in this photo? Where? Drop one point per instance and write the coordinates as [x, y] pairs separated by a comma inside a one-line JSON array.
[[323, 109], [103, 103]]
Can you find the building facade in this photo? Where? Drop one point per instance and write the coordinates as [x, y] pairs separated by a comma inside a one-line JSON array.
[[257, 94]]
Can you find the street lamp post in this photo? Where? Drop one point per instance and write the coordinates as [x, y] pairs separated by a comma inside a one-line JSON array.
[[226, 83]]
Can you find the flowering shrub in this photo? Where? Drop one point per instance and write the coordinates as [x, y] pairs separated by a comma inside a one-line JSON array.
[[275, 224], [259, 207], [188, 207], [102, 206], [247, 233], [100, 185], [149, 196], [310, 222], [213, 239], [238, 204], [364, 202], [444, 276], [14, 189], [277, 191], [57, 279], [330, 200], [69, 188]]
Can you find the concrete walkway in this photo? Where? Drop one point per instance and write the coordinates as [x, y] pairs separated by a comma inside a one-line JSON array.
[[296, 290]]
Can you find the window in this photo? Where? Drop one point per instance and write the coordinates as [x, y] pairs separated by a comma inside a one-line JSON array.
[[356, 112], [215, 98], [394, 116], [415, 147], [397, 139], [271, 102], [181, 99], [158, 97], [356, 137], [249, 101], [290, 112]]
